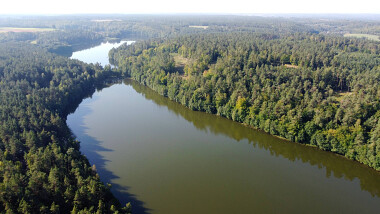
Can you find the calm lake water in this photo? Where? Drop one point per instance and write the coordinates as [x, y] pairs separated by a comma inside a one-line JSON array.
[[97, 54], [165, 158]]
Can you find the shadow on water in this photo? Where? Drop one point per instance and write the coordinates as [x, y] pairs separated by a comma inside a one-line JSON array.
[[333, 164], [91, 147]]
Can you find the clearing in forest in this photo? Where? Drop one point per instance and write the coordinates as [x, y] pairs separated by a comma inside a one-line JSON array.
[[339, 96], [20, 29], [106, 20], [199, 26], [291, 66], [359, 35], [180, 63]]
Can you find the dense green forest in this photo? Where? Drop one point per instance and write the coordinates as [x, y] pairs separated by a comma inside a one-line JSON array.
[[41, 167], [309, 88], [75, 30], [298, 78]]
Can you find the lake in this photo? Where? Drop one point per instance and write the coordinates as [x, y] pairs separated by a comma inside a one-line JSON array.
[[97, 54], [165, 158]]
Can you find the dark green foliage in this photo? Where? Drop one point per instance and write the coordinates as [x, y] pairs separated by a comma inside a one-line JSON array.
[[314, 89], [41, 167]]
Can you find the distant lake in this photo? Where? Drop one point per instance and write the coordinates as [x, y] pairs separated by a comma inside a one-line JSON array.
[[165, 158], [97, 54]]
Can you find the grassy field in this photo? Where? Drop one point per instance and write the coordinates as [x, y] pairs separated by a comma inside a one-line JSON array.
[[358, 35], [17, 29], [197, 26], [106, 20], [339, 96], [180, 63]]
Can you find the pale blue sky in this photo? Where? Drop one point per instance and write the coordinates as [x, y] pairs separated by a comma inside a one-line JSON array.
[[188, 6]]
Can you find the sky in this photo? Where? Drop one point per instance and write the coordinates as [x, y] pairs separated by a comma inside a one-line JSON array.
[[188, 6]]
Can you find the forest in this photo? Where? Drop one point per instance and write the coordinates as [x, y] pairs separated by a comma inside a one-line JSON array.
[[297, 78], [314, 89]]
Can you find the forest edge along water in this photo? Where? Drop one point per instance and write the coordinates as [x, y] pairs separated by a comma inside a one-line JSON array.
[[165, 158]]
